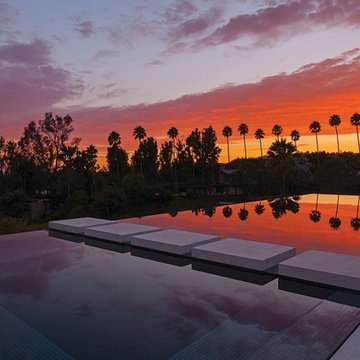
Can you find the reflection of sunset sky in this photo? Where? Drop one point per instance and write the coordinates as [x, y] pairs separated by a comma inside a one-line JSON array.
[[181, 63], [290, 229]]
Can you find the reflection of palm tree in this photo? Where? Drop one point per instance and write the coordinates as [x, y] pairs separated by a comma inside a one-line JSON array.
[[277, 131], [335, 121], [209, 212], [334, 221], [173, 214], [227, 132], [243, 130], [259, 134], [227, 211], [283, 204], [355, 121], [243, 214], [196, 211], [355, 222], [315, 215], [295, 136], [259, 208]]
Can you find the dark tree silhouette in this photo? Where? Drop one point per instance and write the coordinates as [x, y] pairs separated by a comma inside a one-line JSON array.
[[260, 134], [139, 133], [315, 215], [209, 212], [173, 214], [227, 132], [227, 211], [259, 208], [355, 222], [277, 131], [334, 221], [117, 158], [283, 204], [173, 134], [148, 153], [281, 160], [243, 130], [355, 121], [335, 121], [243, 214], [295, 136]]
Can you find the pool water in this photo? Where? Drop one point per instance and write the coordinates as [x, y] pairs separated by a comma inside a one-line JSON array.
[[313, 221]]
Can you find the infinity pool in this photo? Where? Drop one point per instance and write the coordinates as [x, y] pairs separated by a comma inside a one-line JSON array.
[[102, 301]]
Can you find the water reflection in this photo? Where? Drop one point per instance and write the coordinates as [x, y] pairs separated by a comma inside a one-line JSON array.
[[355, 222], [227, 211], [259, 208], [243, 213], [334, 221], [279, 207], [209, 212], [315, 215]]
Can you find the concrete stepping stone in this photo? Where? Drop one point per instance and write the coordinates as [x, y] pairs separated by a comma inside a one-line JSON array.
[[252, 255], [172, 241], [119, 232], [350, 350], [325, 268], [77, 225]]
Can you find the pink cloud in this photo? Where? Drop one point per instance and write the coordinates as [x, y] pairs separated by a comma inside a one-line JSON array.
[[85, 29], [7, 13], [29, 83]]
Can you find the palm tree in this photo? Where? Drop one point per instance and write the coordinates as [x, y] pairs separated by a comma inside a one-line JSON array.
[[259, 208], [139, 133], [227, 211], [173, 134], [295, 136], [277, 131], [355, 222], [227, 132], [243, 214], [355, 121], [335, 222], [315, 215], [315, 128], [259, 134], [243, 130], [335, 121]]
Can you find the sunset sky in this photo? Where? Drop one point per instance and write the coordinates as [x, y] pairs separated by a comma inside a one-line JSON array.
[[188, 63]]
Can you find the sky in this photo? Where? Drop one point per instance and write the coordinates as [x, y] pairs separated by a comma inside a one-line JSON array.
[[113, 65]]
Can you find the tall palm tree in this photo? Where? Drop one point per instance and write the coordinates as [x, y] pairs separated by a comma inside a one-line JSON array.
[[259, 134], [315, 128], [227, 132], [295, 136], [355, 121], [335, 222], [173, 134], [335, 121], [277, 131], [139, 133], [243, 130]]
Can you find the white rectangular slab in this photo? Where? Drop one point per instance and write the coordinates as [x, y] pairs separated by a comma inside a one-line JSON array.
[[324, 268], [77, 225], [252, 255], [172, 241], [350, 350], [119, 232]]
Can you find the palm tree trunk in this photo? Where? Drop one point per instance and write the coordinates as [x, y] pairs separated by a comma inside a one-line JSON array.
[[227, 140], [357, 133], [295, 146], [141, 167], [317, 149], [261, 148], [245, 147], [337, 138]]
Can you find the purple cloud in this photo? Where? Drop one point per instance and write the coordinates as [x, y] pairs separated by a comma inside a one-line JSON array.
[[85, 29], [7, 13]]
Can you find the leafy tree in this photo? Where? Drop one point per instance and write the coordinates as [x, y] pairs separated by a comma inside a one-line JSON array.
[[227, 132], [355, 121], [147, 155], [117, 158], [139, 133], [260, 134], [335, 121], [295, 136], [277, 131], [281, 159], [243, 130]]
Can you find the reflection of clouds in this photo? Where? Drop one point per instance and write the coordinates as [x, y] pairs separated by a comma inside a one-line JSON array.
[[85, 309]]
